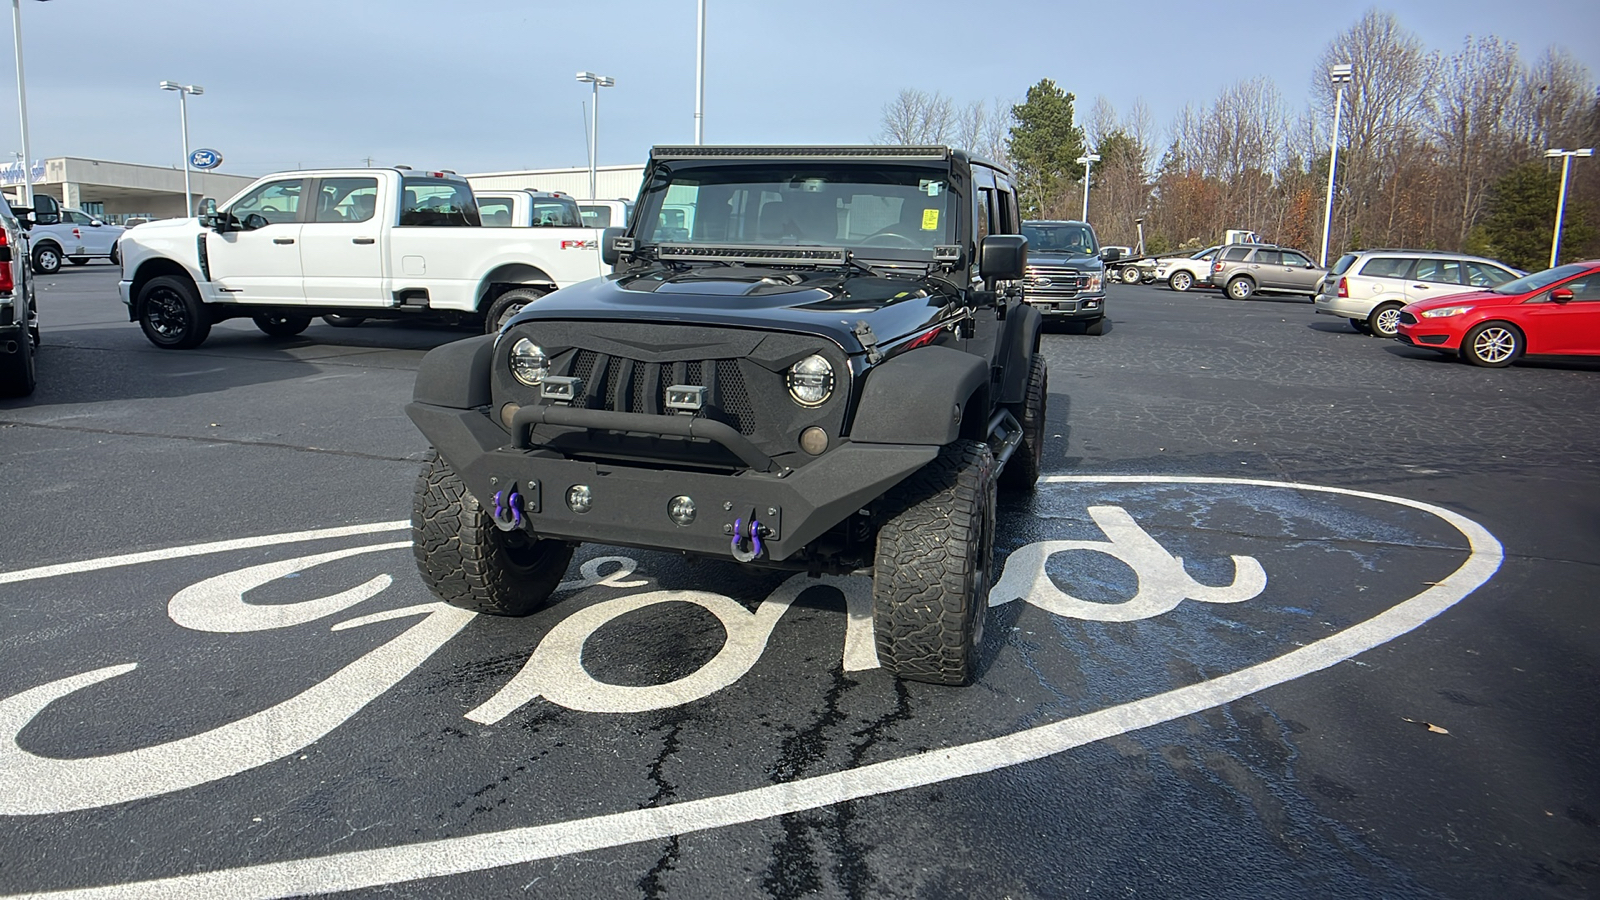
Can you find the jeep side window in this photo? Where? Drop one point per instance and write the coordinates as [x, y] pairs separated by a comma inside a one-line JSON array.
[[275, 201], [1010, 218], [982, 203]]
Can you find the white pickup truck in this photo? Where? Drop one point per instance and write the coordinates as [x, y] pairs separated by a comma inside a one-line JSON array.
[[349, 244], [77, 238]]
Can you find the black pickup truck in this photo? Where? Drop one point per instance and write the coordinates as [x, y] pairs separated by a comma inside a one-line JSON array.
[[832, 371]]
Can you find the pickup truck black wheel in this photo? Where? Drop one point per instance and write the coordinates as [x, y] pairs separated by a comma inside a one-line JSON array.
[[1241, 288], [281, 326], [344, 321], [46, 259], [1096, 328], [930, 581], [466, 561], [1180, 281], [78, 260], [171, 314], [1022, 469], [507, 305], [17, 374]]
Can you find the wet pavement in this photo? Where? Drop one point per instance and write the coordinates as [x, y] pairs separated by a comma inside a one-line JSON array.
[[1297, 612]]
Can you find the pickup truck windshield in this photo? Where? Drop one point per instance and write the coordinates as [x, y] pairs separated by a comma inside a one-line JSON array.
[[890, 207], [1077, 240], [427, 201]]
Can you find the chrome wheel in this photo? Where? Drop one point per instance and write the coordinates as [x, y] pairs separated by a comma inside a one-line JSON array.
[[1241, 288], [1180, 281], [1385, 322], [1493, 344]]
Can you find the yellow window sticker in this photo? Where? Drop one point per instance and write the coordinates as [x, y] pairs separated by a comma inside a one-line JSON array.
[[930, 219]]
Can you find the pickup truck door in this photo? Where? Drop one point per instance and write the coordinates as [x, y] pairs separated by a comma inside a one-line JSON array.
[[341, 245], [260, 263]]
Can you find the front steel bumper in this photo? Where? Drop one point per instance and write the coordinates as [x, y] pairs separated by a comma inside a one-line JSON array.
[[630, 499]]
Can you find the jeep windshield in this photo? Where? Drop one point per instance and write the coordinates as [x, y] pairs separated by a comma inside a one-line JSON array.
[[860, 207], [1075, 240]]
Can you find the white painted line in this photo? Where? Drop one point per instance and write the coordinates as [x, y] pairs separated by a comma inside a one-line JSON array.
[[452, 856], [133, 559]]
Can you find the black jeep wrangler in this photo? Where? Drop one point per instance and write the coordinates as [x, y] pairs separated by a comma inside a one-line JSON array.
[[806, 358]]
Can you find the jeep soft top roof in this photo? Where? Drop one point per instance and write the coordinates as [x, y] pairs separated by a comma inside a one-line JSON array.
[[800, 151]]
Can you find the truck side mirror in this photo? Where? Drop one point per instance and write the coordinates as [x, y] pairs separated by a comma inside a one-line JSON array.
[[1002, 257], [209, 217], [1110, 254], [610, 253], [46, 210]]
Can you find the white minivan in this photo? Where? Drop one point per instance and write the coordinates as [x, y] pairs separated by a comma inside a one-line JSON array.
[[1369, 287]]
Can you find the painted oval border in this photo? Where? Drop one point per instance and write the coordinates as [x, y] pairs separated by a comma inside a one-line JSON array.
[[453, 856]]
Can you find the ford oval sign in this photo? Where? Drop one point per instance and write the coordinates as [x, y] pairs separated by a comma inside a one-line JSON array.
[[205, 159]]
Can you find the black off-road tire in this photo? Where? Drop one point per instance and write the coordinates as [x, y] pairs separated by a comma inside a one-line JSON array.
[[466, 561], [274, 325], [507, 305], [18, 376], [171, 314], [935, 556], [47, 259], [1022, 469]]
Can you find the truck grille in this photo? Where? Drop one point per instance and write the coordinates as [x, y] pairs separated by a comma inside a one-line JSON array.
[[626, 385], [1052, 282]]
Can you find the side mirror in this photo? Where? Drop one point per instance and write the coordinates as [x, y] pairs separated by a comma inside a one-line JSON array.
[[610, 253], [209, 217], [46, 210], [1110, 254], [254, 221], [1561, 295], [95, 223], [1002, 257]]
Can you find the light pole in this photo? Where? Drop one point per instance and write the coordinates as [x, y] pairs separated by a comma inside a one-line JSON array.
[[184, 90], [700, 76], [1340, 76], [1087, 161], [25, 194], [599, 81], [1561, 199]]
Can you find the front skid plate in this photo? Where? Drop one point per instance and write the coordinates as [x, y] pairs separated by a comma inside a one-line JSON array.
[[629, 502]]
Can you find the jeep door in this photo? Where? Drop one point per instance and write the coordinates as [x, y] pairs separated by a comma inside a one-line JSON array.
[[341, 246], [259, 261]]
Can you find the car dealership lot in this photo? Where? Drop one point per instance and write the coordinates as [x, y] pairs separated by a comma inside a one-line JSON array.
[[1255, 718]]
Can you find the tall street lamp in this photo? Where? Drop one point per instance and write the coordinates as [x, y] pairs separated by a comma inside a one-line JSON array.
[[184, 90], [700, 76], [599, 81], [1561, 199], [1087, 161], [25, 194], [1340, 76]]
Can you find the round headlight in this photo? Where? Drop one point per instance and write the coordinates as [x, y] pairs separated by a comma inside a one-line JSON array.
[[811, 381], [528, 363]]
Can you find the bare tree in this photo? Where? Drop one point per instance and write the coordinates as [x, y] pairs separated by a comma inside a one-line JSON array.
[[916, 117], [1474, 123]]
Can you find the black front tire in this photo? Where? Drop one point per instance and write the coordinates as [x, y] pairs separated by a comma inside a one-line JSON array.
[[1095, 328], [281, 326], [18, 376], [46, 259], [507, 305], [1493, 345], [930, 581], [466, 561], [171, 314], [1027, 461]]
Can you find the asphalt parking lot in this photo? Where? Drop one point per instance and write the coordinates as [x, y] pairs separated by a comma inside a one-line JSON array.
[[1300, 612]]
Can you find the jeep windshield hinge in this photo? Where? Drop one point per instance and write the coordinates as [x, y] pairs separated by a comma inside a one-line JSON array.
[[869, 341]]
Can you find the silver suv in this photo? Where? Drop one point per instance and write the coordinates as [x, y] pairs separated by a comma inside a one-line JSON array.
[[1243, 269], [1368, 287]]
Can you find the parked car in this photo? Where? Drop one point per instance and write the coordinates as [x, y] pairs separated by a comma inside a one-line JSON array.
[[530, 209], [19, 307], [1551, 313], [1243, 270], [828, 374], [1184, 272], [1369, 287], [606, 213], [348, 243], [78, 238], [1065, 279]]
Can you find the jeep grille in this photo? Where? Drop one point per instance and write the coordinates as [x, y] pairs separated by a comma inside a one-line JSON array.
[[627, 384]]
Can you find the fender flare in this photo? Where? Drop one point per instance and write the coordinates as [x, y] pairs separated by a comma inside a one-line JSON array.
[[913, 398], [1025, 323], [512, 275], [456, 374]]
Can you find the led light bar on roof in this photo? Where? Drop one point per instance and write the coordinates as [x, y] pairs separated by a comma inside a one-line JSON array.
[[816, 256], [701, 152]]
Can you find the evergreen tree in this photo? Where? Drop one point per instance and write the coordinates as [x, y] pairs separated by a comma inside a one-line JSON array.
[[1522, 213], [1045, 146]]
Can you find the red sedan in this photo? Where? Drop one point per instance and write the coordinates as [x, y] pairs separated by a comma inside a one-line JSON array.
[[1555, 312]]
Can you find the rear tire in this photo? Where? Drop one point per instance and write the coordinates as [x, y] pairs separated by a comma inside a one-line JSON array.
[[930, 581], [18, 375], [507, 305], [466, 561], [1241, 288], [78, 260], [281, 326], [171, 314], [1130, 275], [1027, 461], [46, 259], [1180, 281], [1384, 321], [344, 321], [1360, 325]]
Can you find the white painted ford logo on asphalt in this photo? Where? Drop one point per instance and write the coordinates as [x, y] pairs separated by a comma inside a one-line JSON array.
[[1164, 583]]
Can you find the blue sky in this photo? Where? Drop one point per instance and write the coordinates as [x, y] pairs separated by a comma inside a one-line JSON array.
[[487, 85]]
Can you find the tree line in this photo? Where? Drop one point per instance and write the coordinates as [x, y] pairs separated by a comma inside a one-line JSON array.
[[1437, 150]]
